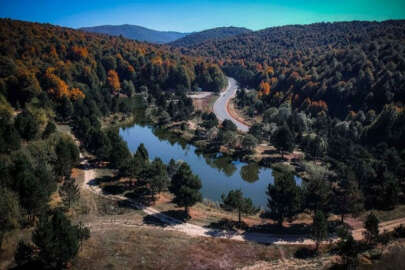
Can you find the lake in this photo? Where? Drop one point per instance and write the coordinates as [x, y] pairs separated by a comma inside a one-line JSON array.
[[219, 174]]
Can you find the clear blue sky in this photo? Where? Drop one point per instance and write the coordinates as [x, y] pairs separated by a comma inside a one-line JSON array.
[[192, 15]]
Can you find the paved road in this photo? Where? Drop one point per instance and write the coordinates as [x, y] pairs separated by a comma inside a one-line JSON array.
[[220, 106]]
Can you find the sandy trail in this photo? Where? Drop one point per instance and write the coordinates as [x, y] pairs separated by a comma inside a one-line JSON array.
[[177, 225], [198, 231], [200, 95]]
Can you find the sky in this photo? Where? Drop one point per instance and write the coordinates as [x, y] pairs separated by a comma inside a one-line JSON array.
[[193, 15]]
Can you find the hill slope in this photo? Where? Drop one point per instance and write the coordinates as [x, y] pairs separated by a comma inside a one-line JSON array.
[[210, 34], [351, 66], [136, 32], [55, 62]]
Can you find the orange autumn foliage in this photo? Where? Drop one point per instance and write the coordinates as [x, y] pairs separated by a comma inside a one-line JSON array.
[[52, 52], [58, 87], [130, 68], [317, 106], [113, 80], [76, 93], [157, 61], [265, 88], [270, 70], [80, 52]]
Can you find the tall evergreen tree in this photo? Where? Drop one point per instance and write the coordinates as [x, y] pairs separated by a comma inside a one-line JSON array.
[[371, 224], [284, 196], [185, 186], [10, 212], [26, 125], [57, 239], [142, 153], [234, 200], [347, 197], [283, 140], [69, 191], [67, 157], [159, 179], [317, 194], [319, 228]]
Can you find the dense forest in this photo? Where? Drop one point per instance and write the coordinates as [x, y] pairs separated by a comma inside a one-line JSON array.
[[348, 66], [210, 34], [333, 90], [51, 76]]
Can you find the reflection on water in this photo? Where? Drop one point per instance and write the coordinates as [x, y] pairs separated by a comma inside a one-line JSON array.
[[250, 172], [218, 173], [222, 163]]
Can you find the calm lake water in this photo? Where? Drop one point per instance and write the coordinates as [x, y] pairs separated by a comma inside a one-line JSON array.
[[218, 174]]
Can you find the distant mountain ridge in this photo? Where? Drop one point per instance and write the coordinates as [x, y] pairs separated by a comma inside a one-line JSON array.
[[218, 33], [172, 38], [136, 32]]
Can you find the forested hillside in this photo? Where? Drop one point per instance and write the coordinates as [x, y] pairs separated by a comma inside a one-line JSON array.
[[67, 65], [52, 75], [345, 67], [136, 32], [218, 33], [335, 91]]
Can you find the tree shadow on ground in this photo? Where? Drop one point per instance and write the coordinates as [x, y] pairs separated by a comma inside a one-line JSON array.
[[299, 229], [140, 195], [102, 180], [228, 224], [114, 189], [221, 233], [305, 253], [167, 218]]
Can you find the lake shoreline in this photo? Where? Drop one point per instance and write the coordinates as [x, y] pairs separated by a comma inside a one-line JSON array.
[[219, 172]]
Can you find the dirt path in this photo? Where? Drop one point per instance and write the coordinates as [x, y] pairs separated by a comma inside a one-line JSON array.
[[200, 95], [173, 224], [388, 226], [177, 225]]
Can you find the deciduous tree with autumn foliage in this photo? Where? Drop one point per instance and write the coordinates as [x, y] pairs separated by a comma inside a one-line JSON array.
[[113, 81]]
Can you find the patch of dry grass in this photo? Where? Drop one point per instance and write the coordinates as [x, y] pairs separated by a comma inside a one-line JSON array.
[[386, 215], [205, 104], [10, 243], [145, 248], [203, 214]]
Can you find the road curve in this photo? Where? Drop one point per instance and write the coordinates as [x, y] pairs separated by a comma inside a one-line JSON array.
[[221, 105]]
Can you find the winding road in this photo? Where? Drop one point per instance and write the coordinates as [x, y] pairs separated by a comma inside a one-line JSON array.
[[221, 105]]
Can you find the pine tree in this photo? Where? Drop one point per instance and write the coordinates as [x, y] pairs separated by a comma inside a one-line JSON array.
[[348, 197], [69, 192], [49, 129], [57, 239], [172, 168], [67, 157], [26, 125], [185, 186], [284, 196], [317, 194], [371, 224], [142, 153], [159, 179], [283, 140], [10, 212], [234, 200], [319, 228]]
